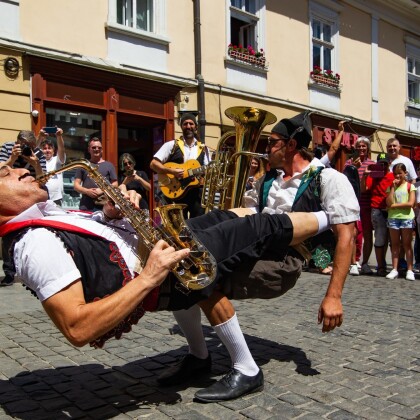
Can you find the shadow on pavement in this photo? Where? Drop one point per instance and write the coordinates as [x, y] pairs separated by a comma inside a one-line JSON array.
[[101, 392]]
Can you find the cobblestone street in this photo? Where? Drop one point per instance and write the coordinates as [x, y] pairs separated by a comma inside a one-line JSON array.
[[369, 368]]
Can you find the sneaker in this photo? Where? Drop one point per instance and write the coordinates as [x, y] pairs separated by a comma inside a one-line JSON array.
[[353, 270], [410, 275], [7, 281], [366, 270], [416, 268], [392, 275], [358, 265]]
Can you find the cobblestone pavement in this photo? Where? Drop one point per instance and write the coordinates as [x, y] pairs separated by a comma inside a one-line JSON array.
[[369, 368]]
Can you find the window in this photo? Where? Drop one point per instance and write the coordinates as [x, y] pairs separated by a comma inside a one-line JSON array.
[[244, 23], [136, 14], [413, 76], [324, 38]]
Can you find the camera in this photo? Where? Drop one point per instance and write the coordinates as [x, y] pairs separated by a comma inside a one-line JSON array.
[[50, 130], [26, 150]]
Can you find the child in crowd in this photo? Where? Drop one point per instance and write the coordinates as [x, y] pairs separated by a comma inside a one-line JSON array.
[[400, 201]]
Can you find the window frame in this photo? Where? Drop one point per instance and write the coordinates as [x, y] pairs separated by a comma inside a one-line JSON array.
[[331, 18], [413, 52], [158, 35], [257, 20]]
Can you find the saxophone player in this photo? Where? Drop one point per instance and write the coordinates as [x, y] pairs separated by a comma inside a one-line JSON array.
[[92, 299]]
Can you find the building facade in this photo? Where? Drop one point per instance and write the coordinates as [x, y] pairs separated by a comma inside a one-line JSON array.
[[124, 70]]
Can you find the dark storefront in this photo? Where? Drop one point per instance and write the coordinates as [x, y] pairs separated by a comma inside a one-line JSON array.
[[128, 113]]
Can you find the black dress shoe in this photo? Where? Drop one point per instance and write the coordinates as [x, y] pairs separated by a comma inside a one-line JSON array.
[[185, 369], [233, 385], [7, 281]]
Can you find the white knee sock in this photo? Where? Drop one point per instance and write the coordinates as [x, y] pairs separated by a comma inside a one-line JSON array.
[[232, 337], [323, 221], [189, 320]]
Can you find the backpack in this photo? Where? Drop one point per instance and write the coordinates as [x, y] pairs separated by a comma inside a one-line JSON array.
[[352, 175]]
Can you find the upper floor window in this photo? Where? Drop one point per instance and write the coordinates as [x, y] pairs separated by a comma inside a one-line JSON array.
[[244, 20], [413, 77], [324, 38], [136, 14]]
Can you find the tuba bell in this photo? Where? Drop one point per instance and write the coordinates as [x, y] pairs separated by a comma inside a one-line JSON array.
[[225, 179]]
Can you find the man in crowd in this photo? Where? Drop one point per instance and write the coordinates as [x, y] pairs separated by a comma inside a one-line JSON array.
[[179, 151], [393, 148], [377, 185], [55, 156], [93, 198], [85, 272], [20, 154], [296, 183]]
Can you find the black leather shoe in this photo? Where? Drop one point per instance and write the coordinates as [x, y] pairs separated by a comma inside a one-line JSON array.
[[233, 385], [185, 369]]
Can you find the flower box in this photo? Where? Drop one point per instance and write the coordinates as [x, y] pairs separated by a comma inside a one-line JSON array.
[[247, 58], [325, 80]]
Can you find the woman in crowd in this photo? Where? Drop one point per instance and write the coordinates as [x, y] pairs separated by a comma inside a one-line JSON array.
[[400, 201], [361, 160], [256, 171], [134, 179]]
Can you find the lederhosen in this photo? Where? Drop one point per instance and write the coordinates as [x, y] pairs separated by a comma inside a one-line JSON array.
[[101, 276], [272, 277], [192, 198]]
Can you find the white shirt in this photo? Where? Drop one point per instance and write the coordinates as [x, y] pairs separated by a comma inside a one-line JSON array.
[[190, 152], [41, 259], [55, 183], [338, 199], [412, 174]]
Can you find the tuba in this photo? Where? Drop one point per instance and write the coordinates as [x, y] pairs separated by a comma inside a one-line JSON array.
[[225, 179], [195, 272]]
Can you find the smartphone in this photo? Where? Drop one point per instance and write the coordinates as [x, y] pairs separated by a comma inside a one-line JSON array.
[[50, 130], [129, 172], [355, 154], [377, 170]]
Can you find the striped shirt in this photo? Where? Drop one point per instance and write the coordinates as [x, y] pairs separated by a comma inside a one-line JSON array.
[[6, 151]]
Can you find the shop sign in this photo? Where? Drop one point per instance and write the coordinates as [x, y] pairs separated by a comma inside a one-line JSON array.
[[348, 140]]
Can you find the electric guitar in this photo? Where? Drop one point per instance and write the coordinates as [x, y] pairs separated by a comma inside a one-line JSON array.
[[175, 188]]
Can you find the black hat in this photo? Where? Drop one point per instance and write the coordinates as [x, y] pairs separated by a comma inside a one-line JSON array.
[[188, 116], [299, 128], [382, 158]]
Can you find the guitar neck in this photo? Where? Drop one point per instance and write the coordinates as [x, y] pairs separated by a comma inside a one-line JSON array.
[[196, 171]]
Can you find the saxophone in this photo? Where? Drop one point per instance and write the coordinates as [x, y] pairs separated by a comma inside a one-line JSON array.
[[196, 271]]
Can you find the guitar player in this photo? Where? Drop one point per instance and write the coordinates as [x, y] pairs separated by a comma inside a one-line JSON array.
[[179, 151]]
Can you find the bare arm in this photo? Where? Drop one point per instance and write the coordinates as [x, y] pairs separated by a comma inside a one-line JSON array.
[[82, 322], [61, 152], [159, 168], [335, 145], [331, 310]]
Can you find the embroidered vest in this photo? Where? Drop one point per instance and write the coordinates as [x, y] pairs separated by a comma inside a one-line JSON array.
[[177, 152], [307, 199]]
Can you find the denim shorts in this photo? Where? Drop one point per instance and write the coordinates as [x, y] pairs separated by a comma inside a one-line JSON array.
[[400, 223], [380, 227]]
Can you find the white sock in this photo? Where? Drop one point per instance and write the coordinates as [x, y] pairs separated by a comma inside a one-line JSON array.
[[189, 320], [232, 337], [323, 221]]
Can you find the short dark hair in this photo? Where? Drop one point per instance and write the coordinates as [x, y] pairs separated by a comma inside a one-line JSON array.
[[26, 135], [47, 142], [94, 139]]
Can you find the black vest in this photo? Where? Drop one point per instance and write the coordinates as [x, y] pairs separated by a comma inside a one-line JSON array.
[[102, 267], [308, 199], [177, 156]]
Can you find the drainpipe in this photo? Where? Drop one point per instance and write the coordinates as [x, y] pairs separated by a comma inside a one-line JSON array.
[[197, 56]]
